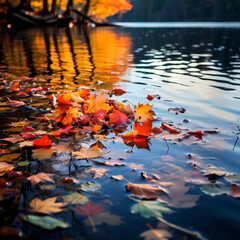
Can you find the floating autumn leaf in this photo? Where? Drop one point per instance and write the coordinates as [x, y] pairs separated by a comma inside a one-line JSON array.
[[41, 154], [117, 177], [90, 187], [232, 178], [99, 116], [214, 189], [97, 103], [139, 136], [114, 162], [177, 110], [142, 113], [14, 138], [15, 86], [197, 134], [235, 191], [150, 209], [44, 141], [41, 177], [118, 119], [7, 191], [9, 157], [127, 109], [88, 209], [98, 172], [16, 103], [118, 91], [66, 118], [76, 198], [84, 153], [105, 217], [9, 233], [45, 222], [145, 191], [5, 167], [151, 97], [47, 206], [171, 129], [156, 234], [97, 128], [136, 166], [212, 171], [65, 98]]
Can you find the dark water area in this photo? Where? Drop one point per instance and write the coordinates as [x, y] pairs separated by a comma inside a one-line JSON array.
[[194, 68]]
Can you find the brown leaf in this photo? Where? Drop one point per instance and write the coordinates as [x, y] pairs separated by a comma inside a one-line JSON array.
[[117, 177], [5, 167], [145, 191], [98, 172], [41, 177]]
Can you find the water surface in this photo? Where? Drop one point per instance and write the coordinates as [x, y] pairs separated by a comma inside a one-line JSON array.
[[194, 68]]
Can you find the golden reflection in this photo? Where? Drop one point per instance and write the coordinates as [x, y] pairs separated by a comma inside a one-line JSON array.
[[73, 56]]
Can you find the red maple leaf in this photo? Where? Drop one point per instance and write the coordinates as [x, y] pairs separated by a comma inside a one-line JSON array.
[[117, 118], [88, 209], [44, 141]]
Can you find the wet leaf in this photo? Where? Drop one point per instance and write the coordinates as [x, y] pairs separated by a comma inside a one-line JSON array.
[[14, 138], [117, 177], [44, 141], [142, 113], [145, 191], [98, 172], [118, 119], [118, 92], [25, 144], [97, 103], [171, 129], [156, 234], [9, 157], [7, 191], [114, 162], [16, 103], [64, 99], [99, 116], [136, 166], [5, 167], [47, 206], [41, 177], [107, 218], [232, 178], [9, 233], [197, 134], [177, 110], [88, 209], [76, 198], [235, 191], [43, 153], [212, 171], [45, 222], [214, 189], [90, 187], [84, 153], [23, 163], [149, 209]]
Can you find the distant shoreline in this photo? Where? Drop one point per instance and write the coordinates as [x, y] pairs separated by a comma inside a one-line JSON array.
[[179, 24]]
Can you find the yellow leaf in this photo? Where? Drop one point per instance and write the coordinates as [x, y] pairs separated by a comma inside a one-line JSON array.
[[47, 206], [142, 113], [97, 103]]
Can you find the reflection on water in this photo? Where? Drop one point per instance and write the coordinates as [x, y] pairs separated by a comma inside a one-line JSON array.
[[198, 69], [72, 55]]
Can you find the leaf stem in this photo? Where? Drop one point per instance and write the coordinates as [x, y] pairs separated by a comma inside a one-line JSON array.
[[92, 223], [192, 233]]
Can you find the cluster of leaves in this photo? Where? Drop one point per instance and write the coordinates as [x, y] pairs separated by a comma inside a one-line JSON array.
[[85, 117]]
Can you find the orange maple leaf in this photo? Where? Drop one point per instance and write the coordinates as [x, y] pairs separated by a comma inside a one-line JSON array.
[[65, 98], [142, 113], [97, 103]]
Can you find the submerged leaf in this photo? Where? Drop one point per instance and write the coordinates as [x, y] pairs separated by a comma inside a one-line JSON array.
[[105, 217], [45, 222], [90, 187], [76, 198], [98, 172], [88, 209], [41, 177], [149, 209], [214, 189], [145, 191], [156, 234]]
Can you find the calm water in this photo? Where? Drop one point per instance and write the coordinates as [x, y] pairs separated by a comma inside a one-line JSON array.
[[194, 68]]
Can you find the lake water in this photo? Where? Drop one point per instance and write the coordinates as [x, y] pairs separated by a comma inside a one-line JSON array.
[[197, 68]]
